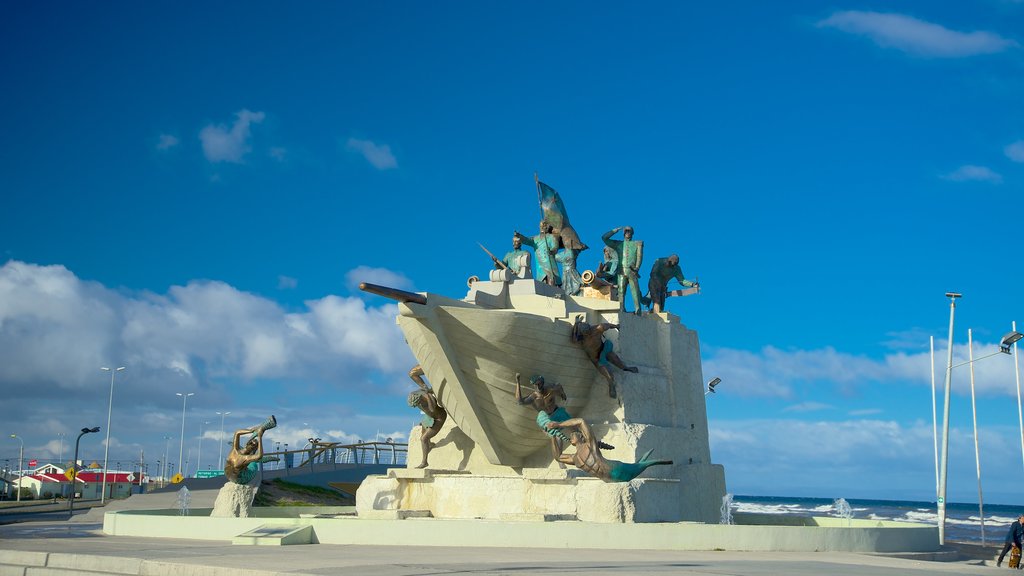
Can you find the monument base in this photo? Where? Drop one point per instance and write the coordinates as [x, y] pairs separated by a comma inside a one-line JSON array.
[[537, 495], [235, 500]]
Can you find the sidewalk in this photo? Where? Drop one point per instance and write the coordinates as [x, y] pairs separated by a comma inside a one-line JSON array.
[[83, 547]]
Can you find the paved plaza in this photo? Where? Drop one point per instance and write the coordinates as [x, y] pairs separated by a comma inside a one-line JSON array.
[[77, 547]]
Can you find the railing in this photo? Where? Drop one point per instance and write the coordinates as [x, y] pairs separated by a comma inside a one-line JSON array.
[[334, 453]]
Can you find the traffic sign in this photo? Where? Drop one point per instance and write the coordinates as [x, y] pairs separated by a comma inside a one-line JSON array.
[[131, 477], [70, 473], [177, 478], [209, 473]]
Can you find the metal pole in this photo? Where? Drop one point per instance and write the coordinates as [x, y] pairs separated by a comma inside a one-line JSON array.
[[199, 458], [106, 445], [181, 445], [1016, 371], [60, 459], [974, 416], [944, 464], [21, 458], [163, 473], [935, 429], [74, 476], [220, 443]]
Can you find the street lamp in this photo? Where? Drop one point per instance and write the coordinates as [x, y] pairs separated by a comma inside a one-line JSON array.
[[106, 446], [181, 447], [1008, 340], [1016, 372], [199, 459], [21, 458], [74, 473], [220, 442], [163, 471], [941, 499], [60, 458], [711, 385]]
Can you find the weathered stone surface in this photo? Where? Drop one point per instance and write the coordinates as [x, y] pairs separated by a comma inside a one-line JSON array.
[[235, 500]]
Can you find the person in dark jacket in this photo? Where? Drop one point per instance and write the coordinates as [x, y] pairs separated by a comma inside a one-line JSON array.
[[1013, 538]]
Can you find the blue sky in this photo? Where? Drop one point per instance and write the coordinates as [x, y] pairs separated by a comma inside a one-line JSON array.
[[195, 191]]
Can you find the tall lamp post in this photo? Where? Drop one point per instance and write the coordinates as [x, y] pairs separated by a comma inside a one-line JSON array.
[[1016, 373], [60, 458], [181, 447], [163, 471], [199, 459], [1008, 339], [21, 458], [220, 443], [106, 446], [941, 499], [73, 476]]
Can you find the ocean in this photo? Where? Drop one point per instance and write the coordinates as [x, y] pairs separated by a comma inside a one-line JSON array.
[[962, 520]]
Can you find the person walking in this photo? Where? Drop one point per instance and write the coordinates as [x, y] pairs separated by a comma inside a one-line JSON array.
[[1013, 538]]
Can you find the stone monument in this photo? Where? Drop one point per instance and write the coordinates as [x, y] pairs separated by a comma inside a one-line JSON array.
[[490, 459]]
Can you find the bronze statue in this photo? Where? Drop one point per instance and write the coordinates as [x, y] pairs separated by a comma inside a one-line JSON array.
[[572, 283], [544, 245], [241, 464], [608, 269], [588, 455], [663, 270], [631, 256], [544, 399], [518, 260], [434, 414], [599, 350]]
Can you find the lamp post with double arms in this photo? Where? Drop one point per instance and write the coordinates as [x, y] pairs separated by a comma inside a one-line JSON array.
[[106, 446], [941, 499], [220, 441], [181, 446], [21, 458]]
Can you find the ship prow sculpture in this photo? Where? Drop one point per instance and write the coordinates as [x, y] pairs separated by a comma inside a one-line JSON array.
[[495, 451]]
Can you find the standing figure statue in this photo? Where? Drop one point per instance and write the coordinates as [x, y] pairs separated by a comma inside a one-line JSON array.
[[518, 260], [608, 269], [554, 213], [572, 283], [240, 466], [434, 415], [631, 256], [544, 245], [663, 270], [588, 455], [599, 350], [545, 400]]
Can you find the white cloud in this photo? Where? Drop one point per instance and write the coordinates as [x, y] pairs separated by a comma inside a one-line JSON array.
[[223, 144], [915, 36], [166, 142], [52, 324], [379, 155], [971, 173], [379, 276], [286, 282], [808, 407], [1015, 151], [772, 372], [859, 458]]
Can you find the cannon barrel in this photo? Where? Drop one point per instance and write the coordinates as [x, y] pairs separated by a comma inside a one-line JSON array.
[[393, 293]]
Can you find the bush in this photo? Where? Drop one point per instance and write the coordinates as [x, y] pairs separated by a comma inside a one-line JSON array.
[[26, 494]]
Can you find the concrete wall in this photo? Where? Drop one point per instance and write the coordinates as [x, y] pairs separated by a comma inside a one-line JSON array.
[[857, 536]]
